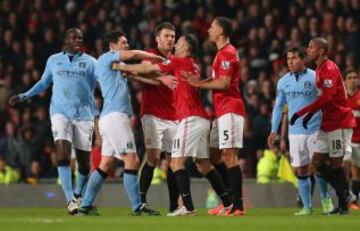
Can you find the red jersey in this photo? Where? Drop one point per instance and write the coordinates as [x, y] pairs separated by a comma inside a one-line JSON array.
[[158, 100], [187, 100], [227, 63], [332, 102], [354, 104]]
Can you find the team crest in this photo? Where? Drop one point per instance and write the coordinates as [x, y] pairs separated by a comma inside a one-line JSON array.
[[225, 65], [307, 84], [82, 65], [328, 83]]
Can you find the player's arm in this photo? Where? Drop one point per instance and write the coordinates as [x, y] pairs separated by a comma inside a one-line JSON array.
[[222, 83], [166, 80], [142, 68], [327, 88], [277, 114], [284, 132], [139, 55], [40, 86]]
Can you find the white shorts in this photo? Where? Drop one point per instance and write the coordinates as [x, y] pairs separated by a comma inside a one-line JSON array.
[[302, 147], [227, 131], [192, 138], [116, 134], [78, 132], [336, 143], [354, 155], [158, 133]]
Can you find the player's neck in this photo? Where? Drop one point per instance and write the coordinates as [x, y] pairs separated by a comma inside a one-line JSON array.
[[320, 60], [221, 42], [164, 52], [351, 91]]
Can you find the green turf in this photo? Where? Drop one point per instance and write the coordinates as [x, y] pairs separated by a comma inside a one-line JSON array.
[[53, 219]]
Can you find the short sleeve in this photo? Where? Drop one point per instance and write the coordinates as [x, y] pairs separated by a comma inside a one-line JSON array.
[[168, 66], [226, 62]]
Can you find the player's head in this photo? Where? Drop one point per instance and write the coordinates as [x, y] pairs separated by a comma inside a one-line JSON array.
[[116, 40], [186, 45], [73, 40], [351, 79], [165, 36], [220, 26], [295, 59], [318, 47]]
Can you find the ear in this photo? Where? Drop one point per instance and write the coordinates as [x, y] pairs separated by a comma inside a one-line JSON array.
[[157, 39]]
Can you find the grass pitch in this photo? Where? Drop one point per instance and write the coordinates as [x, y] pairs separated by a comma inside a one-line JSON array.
[[53, 219]]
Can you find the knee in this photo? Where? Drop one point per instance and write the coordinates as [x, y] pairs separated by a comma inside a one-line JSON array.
[[229, 157]]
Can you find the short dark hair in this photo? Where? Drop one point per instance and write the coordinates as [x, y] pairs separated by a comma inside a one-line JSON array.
[[71, 30], [300, 50], [113, 37], [192, 41], [350, 70], [164, 25], [322, 43], [225, 24]]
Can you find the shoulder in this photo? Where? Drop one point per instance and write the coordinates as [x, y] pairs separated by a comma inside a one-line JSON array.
[[153, 51], [56, 56], [310, 71], [330, 67], [228, 52], [284, 79]]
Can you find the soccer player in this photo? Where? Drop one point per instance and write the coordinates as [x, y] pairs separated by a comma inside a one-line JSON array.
[[227, 130], [191, 138], [298, 89], [72, 75], [158, 116], [334, 137], [114, 125], [352, 160]]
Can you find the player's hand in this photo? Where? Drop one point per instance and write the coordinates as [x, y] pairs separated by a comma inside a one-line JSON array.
[[271, 140], [14, 100], [191, 79], [306, 119], [294, 118], [169, 81], [117, 66]]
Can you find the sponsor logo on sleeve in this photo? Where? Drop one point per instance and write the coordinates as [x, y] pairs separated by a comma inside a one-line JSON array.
[[328, 83], [225, 65]]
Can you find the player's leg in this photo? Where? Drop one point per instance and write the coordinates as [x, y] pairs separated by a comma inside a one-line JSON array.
[[230, 139], [207, 169], [182, 178], [215, 155], [62, 130], [300, 159], [95, 182], [179, 154], [355, 173], [83, 133], [338, 142], [170, 179], [153, 133]]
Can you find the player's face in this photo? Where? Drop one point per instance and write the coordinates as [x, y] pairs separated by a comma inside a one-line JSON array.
[[166, 39], [122, 44], [74, 41], [351, 80], [313, 51], [214, 31], [294, 62], [180, 47]]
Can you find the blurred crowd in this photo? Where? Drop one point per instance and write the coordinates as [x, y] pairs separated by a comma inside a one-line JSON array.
[[32, 30]]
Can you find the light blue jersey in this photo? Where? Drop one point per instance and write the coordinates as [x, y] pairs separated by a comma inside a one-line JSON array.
[[113, 86], [73, 84], [296, 93]]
